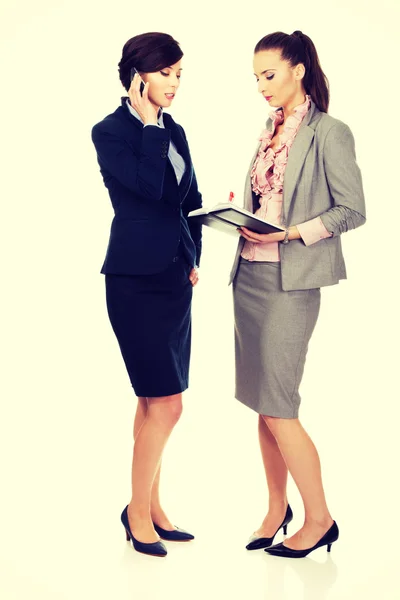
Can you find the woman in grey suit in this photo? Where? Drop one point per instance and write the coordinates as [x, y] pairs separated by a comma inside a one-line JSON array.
[[303, 176]]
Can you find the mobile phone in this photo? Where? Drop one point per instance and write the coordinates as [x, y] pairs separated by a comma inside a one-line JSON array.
[[133, 73]]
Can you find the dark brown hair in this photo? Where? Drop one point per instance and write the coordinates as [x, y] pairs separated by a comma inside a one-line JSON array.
[[299, 48], [148, 53]]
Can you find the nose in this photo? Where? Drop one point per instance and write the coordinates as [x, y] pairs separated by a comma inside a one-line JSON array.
[[261, 85]]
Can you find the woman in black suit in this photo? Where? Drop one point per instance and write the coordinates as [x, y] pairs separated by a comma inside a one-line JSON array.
[[151, 264]]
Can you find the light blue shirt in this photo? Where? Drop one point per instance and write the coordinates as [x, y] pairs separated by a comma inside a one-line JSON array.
[[176, 159]]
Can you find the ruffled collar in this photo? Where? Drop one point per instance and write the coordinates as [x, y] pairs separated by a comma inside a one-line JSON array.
[[299, 112], [292, 123], [276, 159]]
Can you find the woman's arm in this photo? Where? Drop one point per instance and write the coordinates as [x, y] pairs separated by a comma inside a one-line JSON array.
[[144, 173], [193, 201], [345, 185]]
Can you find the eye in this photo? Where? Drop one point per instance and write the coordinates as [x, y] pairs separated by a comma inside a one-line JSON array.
[[164, 73], [269, 77]]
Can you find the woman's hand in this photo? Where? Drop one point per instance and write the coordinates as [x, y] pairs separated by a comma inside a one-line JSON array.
[[194, 276], [268, 238], [141, 103]]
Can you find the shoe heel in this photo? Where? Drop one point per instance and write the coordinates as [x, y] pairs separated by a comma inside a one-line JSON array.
[[285, 530], [329, 546], [128, 537]]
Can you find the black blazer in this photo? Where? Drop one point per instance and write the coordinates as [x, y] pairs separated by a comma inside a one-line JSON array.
[[150, 207]]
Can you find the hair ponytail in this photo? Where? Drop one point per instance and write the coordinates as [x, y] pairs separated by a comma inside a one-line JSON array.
[[299, 48]]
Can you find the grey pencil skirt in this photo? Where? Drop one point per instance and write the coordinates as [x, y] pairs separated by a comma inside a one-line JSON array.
[[272, 332]]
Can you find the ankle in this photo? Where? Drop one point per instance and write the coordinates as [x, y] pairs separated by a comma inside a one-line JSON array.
[[157, 514], [322, 521], [277, 504], [138, 512]]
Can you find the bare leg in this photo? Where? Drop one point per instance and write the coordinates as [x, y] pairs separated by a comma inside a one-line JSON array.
[[276, 472], [302, 460], [152, 436], [157, 513], [141, 413]]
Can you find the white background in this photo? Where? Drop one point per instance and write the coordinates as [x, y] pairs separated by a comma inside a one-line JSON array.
[[67, 406]]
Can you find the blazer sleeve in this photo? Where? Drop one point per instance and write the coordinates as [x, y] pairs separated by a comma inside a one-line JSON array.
[[193, 201], [344, 181], [142, 173]]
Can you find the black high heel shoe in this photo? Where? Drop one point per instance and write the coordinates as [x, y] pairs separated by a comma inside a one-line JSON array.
[[264, 542], [327, 540], [154, 549], [176, 535]]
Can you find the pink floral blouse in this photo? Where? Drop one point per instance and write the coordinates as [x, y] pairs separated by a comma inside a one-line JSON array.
[[267, 177]]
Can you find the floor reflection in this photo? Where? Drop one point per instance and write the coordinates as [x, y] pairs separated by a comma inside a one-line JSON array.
[[317, 578]]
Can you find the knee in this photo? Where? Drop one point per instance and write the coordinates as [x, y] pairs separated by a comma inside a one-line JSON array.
[[175, 411], [167, 411], [278, 426], [273, 424], [143, 403]]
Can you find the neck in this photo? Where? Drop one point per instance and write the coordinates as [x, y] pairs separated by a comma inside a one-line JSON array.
[[288, 110], [157, 108]]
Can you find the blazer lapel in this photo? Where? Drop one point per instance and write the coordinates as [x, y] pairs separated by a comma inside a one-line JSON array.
[[296, 158], [176, 137], [183, 149], [248, 194]]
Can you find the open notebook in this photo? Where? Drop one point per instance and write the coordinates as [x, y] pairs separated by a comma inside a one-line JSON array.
[[227, 217]]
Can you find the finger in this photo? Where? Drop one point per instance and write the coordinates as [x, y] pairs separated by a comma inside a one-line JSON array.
[[134, 87], [253, 237], [145, 90], [134, 81], [246, 237], [252, 234], [134, 94], [244, 233], [137, 87]]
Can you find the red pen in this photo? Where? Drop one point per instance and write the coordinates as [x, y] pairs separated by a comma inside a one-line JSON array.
[[231, 196]]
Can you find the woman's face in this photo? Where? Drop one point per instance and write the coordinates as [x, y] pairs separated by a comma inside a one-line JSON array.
[[278, 82], [163, 84]]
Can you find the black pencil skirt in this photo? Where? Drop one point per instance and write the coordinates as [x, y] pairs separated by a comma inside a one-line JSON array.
[[151, 318]]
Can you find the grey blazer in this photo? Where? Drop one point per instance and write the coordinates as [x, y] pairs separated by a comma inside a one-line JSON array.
[[322, 178]]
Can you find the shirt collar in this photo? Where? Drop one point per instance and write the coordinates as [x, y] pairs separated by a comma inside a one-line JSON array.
[[299, 111]]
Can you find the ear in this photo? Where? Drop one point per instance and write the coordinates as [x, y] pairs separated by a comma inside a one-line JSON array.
[[299, 71]]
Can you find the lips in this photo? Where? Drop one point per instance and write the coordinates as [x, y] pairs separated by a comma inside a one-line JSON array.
[[268, 98], [170, 96]]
